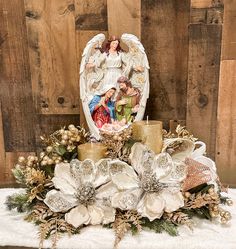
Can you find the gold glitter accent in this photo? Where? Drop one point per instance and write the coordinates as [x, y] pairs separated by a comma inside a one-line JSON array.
[[197, 174]]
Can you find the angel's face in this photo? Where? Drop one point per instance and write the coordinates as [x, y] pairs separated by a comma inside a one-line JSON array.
[[114, 44]]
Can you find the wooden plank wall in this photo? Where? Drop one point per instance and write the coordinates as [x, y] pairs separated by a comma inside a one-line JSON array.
[[164, 32], [226, 115], [41, 44], [203, 70]]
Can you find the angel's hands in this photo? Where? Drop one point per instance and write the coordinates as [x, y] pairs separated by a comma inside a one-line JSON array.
[[90, 65], [138, 68]]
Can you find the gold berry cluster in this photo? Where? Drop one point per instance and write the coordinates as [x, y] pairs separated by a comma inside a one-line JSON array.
[[49, 157], [70, 137], [29, 161]]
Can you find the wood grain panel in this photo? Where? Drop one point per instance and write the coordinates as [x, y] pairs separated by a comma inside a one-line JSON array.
[[206, 3], [201, 3], [2, 149], [16, 92], [91, 15], [229, 34], [52, 49], [124, 16], [165, 39], [182, 9], [203, 79], [226, 123], [47, 124]]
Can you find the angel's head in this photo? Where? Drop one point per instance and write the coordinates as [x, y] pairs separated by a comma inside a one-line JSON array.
[[114, 44]]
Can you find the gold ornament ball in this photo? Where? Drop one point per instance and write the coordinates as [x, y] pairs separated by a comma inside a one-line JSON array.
[[120, 138], [65, 137], [213, 214], [29, 163], [187, 194], [44, 163], [49, 149], [42, 154], [63, 142], [30, 158], [71, 127], [78, 138], [211, 191], [73, 139], [115, 137], [227, 215], [223, 220], [61, 131], [57, 161], [50, 161], [70, 133], [222, 213], [74, 130], [21, 159], [229, 202]]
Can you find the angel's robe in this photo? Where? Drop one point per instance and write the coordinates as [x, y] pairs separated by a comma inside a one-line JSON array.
[[126, 111], [101, 115]]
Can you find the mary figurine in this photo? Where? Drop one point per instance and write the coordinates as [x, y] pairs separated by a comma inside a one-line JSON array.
[[102, 107]]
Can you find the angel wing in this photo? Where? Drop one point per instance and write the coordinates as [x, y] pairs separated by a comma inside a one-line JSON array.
[[140, 79], [87, 79], [87, 56]]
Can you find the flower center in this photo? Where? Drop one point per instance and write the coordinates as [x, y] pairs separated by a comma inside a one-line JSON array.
[[149, 183], [86, 194]]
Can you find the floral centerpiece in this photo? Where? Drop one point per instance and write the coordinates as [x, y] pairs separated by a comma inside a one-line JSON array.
[[130, 190]]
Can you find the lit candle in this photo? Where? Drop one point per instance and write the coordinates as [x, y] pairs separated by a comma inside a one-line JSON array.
[[150, 133], [94, 151]]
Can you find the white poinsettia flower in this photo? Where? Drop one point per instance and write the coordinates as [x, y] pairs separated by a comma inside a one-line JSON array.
[[84, 192], [151, 186]]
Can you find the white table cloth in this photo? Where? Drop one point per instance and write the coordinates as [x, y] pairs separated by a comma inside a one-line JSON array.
[[14, 231]]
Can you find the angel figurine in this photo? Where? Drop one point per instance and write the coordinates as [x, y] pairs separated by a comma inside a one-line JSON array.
[[99, 72]]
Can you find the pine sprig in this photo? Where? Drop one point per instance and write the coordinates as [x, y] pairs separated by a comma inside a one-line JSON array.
[[19, 174], [160, 225], [202, 213], [18, 201]]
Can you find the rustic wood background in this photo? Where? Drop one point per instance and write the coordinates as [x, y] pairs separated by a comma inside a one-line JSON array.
[[191, 46]]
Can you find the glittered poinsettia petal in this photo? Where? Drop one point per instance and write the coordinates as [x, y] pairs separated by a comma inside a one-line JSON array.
[[59, 202], [151, 206], [78, 216], [126, 200]]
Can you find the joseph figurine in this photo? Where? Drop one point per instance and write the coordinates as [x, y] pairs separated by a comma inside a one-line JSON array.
[[127, 102]]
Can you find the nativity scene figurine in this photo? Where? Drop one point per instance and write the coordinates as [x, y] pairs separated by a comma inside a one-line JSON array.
[[114, 84]]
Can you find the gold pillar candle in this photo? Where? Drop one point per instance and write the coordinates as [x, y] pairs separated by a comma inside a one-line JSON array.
[[150, 133], [94, 151]]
